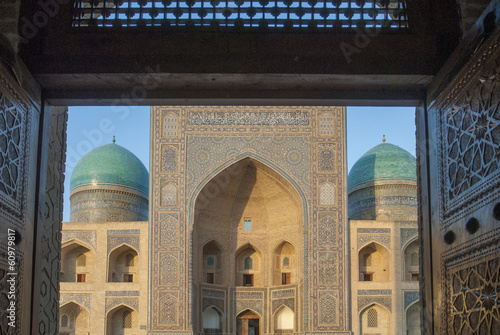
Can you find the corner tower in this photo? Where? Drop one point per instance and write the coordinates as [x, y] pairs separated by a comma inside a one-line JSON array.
[[109, 184]]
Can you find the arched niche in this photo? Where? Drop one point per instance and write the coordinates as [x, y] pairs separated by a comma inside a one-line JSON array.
[[214, 263], [413, 319], [248, 323], [248, 267], [374, 263], [374, 320], [411, 262], [122, 320], [284, 320], [123, 264], [247, 203], [284, 268], [74, 319], [77, 263], [212, 321]]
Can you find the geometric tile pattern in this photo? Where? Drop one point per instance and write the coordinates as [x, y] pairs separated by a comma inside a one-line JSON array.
[[169, 158], [116, 240], [82, 299], [290, 152], [384, 239], [327, 263], [289, 302], [364, 301], [374, 292], [168, 229], [328, 308], [326, 161], [327, 227], [88, 237], [326, 124], [168, 269], [255, 305], [410, 297], [130, 302], [327, 194], [407, 234], [168, 309]]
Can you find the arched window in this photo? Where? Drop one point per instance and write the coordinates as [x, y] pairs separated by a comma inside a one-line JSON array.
[[210, 261], [127, 319], [248, 263], [372, 318], [286, 261], [64, 321], [81, 260], [129, 260]]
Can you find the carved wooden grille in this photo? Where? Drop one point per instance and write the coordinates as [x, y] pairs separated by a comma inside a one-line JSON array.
[[474, 297], [390, 14], [11, 147]]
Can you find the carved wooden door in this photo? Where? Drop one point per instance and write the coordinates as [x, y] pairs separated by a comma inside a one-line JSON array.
[[460, 175], [19, 120]]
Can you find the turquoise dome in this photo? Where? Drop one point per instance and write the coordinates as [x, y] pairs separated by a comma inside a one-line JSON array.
[[113, 165], [385, 162]]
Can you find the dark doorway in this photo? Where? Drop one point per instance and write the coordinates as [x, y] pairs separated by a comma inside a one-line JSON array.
[[247, 323]]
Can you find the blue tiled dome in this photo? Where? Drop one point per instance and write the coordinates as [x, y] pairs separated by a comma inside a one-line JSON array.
[[385, 162], [111, 165]]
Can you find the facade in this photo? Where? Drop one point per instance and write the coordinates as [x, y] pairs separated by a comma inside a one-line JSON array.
[[264, 232], [384, 256], [104, 249]]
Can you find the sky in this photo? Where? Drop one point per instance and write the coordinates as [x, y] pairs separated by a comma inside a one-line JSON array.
[[90, 127]]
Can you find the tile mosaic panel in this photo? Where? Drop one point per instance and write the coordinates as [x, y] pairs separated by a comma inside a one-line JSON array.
[[88, 237]]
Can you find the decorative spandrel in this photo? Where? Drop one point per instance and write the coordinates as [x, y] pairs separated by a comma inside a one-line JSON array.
[[387, 14]]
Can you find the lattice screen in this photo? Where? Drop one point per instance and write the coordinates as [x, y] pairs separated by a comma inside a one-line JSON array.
[[390, 14]]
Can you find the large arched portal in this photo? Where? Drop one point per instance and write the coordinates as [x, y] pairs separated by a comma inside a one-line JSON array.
[[247, 208]]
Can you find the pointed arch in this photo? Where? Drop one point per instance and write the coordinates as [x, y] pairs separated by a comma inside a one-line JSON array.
[[284, 319], [122, 319], [374, 261], [412, 318], [212, 320], [74, 317], [248, 266], [238, 158], [77, 262], [284, 264], [213, 263], [375, 318], [123, 264], [411, 259]]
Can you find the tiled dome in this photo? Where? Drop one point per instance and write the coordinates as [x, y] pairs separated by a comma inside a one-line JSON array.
[[385, 162], [110, 165]]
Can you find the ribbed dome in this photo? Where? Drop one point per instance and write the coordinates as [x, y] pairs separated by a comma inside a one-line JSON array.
[[385, 162], [111, 165]]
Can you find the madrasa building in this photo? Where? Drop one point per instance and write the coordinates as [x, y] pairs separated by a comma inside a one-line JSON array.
[[246, 224]]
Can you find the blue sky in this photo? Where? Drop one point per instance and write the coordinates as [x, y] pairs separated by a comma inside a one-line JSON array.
[[90, 127]]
